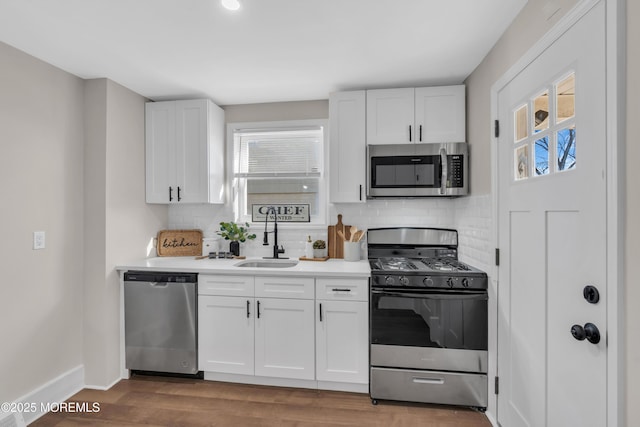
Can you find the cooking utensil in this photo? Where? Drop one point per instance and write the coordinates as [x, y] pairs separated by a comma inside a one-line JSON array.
[[335, 241], [353, 230]]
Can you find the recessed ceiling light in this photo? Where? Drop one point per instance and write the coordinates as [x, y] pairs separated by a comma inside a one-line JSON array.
[[231, 4]]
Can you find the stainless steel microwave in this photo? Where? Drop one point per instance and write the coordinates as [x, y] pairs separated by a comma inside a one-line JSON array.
[[417, 170]]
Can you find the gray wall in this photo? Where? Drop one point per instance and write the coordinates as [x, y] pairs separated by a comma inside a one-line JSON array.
[[631, 295], [72, 165], [41, 168], [119, 225]]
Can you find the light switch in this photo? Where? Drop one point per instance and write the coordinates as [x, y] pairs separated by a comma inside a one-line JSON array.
[[38, 240]]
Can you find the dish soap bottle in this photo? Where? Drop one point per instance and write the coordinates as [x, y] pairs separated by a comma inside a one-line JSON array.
[[308, 248]]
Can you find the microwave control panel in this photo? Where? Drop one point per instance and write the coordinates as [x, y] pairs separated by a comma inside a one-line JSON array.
[[455, 168]]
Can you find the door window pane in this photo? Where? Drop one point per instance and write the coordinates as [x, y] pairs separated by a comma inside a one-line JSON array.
[[521, 128], [565, 98], [542, 156], [541, 112], [566, 148], [522, 162]]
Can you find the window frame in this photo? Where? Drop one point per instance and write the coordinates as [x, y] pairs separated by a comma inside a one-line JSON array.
[[234, 185]]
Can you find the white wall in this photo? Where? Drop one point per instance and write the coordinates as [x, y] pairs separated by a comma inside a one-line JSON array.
[[41, 168]]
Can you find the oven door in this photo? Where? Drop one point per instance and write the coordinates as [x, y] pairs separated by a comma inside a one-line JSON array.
[[429, 329]]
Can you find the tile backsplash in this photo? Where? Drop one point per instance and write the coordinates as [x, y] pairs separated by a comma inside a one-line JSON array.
[[471, 216]]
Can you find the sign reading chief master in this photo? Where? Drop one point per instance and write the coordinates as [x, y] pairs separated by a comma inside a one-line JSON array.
[[283, 213]]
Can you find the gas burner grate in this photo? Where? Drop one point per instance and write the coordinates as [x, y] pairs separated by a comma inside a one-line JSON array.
[[443, 264], [399, 264]]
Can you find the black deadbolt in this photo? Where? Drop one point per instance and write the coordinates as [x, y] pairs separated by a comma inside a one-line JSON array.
[[591, 294]]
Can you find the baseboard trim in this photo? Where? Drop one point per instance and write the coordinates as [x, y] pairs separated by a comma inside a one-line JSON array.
[[102, 388], [57, 390]]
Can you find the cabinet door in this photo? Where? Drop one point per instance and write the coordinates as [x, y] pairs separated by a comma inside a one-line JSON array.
[[226, 334], [192, 151], [390, 116], [440, 114], [342, 341], [347, 147], [284, 335], [160, 154]]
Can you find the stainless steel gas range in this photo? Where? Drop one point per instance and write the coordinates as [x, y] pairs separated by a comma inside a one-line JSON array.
[[428, 319]]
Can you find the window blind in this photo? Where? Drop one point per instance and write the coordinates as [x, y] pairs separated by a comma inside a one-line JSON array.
[[281, 153]]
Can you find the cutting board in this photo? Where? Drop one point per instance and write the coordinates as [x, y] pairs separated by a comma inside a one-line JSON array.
[[335, 243], [179, 243]]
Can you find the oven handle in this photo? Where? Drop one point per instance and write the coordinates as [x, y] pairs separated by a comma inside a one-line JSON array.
[[444, 295]]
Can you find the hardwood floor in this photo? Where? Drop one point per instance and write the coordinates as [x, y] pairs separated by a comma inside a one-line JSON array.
[[159, 401]]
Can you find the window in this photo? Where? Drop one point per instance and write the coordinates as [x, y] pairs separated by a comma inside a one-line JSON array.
[[279, 163], [545, 127]]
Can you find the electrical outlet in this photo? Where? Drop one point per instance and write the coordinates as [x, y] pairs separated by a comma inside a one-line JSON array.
[[38, 240]]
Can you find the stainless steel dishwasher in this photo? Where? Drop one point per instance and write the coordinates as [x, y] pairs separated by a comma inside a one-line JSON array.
[[160, 319]]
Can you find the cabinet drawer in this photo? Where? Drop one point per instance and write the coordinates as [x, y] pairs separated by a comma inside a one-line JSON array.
[[213, 284], [342, 289], [285, 287]]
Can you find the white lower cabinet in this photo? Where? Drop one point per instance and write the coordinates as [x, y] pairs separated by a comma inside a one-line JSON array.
[[284, 345], [226, 334], [305, 329], [342, 330], [342, 342]]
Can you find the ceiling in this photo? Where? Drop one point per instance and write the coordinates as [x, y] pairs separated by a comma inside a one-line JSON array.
[[268, 51]]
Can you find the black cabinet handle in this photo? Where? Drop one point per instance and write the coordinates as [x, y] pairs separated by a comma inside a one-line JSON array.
[[258, 309], [170, 194], [409, 133], [341, 290], [360, 192], [248, 312], [420, 133], [179, 198], [321, 312]]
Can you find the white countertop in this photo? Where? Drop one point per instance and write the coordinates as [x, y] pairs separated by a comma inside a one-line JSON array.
[[329, 268]]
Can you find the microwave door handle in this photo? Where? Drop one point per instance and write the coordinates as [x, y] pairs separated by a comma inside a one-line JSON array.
[[443, 168]]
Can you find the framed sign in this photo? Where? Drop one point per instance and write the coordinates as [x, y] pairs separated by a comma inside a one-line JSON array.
[[281, 213]]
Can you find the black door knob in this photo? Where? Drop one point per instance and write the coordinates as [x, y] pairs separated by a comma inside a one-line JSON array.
[[593, 334], [578, 332], [589, 331]]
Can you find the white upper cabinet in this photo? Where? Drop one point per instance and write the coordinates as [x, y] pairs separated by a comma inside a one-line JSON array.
[[390, 116], [347, 147], [420, 115], [184, 152], [440, 114]]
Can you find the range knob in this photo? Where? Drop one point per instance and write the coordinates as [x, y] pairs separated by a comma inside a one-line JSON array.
[[451, 282], [428, 282], [388, 280], [404, 281], [465, 282]]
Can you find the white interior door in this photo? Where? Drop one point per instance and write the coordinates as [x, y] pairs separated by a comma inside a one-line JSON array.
[[552, 234]]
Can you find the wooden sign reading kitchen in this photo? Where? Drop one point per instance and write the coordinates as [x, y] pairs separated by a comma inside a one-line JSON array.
[[283, 213], [179, 243]]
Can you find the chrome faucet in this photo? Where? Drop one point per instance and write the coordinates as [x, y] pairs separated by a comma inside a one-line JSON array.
[[265, 241]]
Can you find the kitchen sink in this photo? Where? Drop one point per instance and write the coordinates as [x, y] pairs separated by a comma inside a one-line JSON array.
[[268, 263]]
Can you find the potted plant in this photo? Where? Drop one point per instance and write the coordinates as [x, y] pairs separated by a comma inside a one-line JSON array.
[[319, 249], [236, 234]]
